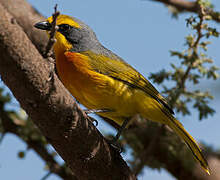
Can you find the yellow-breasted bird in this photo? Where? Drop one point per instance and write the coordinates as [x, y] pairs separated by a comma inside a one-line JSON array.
[[101, 80]]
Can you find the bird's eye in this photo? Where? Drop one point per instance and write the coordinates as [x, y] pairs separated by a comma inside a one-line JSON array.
[[64, 27]]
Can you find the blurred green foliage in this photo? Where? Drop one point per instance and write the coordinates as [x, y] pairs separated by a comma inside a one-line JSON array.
[[194, 66]]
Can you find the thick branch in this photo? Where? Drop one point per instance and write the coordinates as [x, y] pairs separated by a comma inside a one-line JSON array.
[[52, 108], [26, 16], [181, 5], [17, 128], [190, 6]]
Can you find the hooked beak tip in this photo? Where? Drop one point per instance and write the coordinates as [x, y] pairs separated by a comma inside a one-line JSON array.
[[43, 25]]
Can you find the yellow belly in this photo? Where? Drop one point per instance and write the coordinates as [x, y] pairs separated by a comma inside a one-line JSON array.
[[98, 91]]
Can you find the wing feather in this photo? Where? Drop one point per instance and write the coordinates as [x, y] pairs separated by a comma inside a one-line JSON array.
[[117, 69]]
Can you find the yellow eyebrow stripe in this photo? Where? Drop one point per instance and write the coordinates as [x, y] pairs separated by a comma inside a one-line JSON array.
[[64, 19]]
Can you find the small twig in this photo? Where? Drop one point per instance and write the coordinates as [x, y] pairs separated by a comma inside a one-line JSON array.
[[49, 48], [199, 27], [181, 84], [48, 51]]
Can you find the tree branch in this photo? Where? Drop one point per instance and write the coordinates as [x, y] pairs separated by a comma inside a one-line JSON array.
[[26, 16], [190, 6], [17, 128], [161, 152], [52, 108], [193, 48]]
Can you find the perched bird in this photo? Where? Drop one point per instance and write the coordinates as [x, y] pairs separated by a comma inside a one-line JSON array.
[[102, 81]]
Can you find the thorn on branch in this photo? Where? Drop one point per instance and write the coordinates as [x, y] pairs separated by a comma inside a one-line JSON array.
[[93, 120], [2, 137], [46, 176]]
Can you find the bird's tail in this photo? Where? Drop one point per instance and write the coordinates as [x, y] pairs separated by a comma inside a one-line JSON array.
[[179, 129]]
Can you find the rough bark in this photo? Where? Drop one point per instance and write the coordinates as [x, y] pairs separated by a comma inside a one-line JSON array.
[[52, 108], [26, 16]]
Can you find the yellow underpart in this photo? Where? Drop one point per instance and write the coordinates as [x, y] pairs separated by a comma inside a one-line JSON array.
[[94, 90]]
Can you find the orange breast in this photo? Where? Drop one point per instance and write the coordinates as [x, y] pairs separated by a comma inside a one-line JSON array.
[[83, 83], [95, 90]]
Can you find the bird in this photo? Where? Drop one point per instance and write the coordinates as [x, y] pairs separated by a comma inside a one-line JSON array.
[[103, 82]]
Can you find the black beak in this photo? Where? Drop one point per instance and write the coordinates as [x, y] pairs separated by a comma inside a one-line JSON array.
[[43, 25]]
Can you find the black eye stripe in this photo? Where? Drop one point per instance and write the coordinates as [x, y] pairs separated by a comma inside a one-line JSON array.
[[71, 33], [64, 27]]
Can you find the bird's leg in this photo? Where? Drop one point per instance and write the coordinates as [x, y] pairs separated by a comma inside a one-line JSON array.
[[113, 142], [123, 126]]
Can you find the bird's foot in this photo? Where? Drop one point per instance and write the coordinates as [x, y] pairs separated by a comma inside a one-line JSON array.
[[115, 145]]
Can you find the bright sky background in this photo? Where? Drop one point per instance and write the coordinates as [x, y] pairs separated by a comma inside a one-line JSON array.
[[142, 32]]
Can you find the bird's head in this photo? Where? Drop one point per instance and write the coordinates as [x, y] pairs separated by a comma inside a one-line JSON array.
[[71, 34]]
